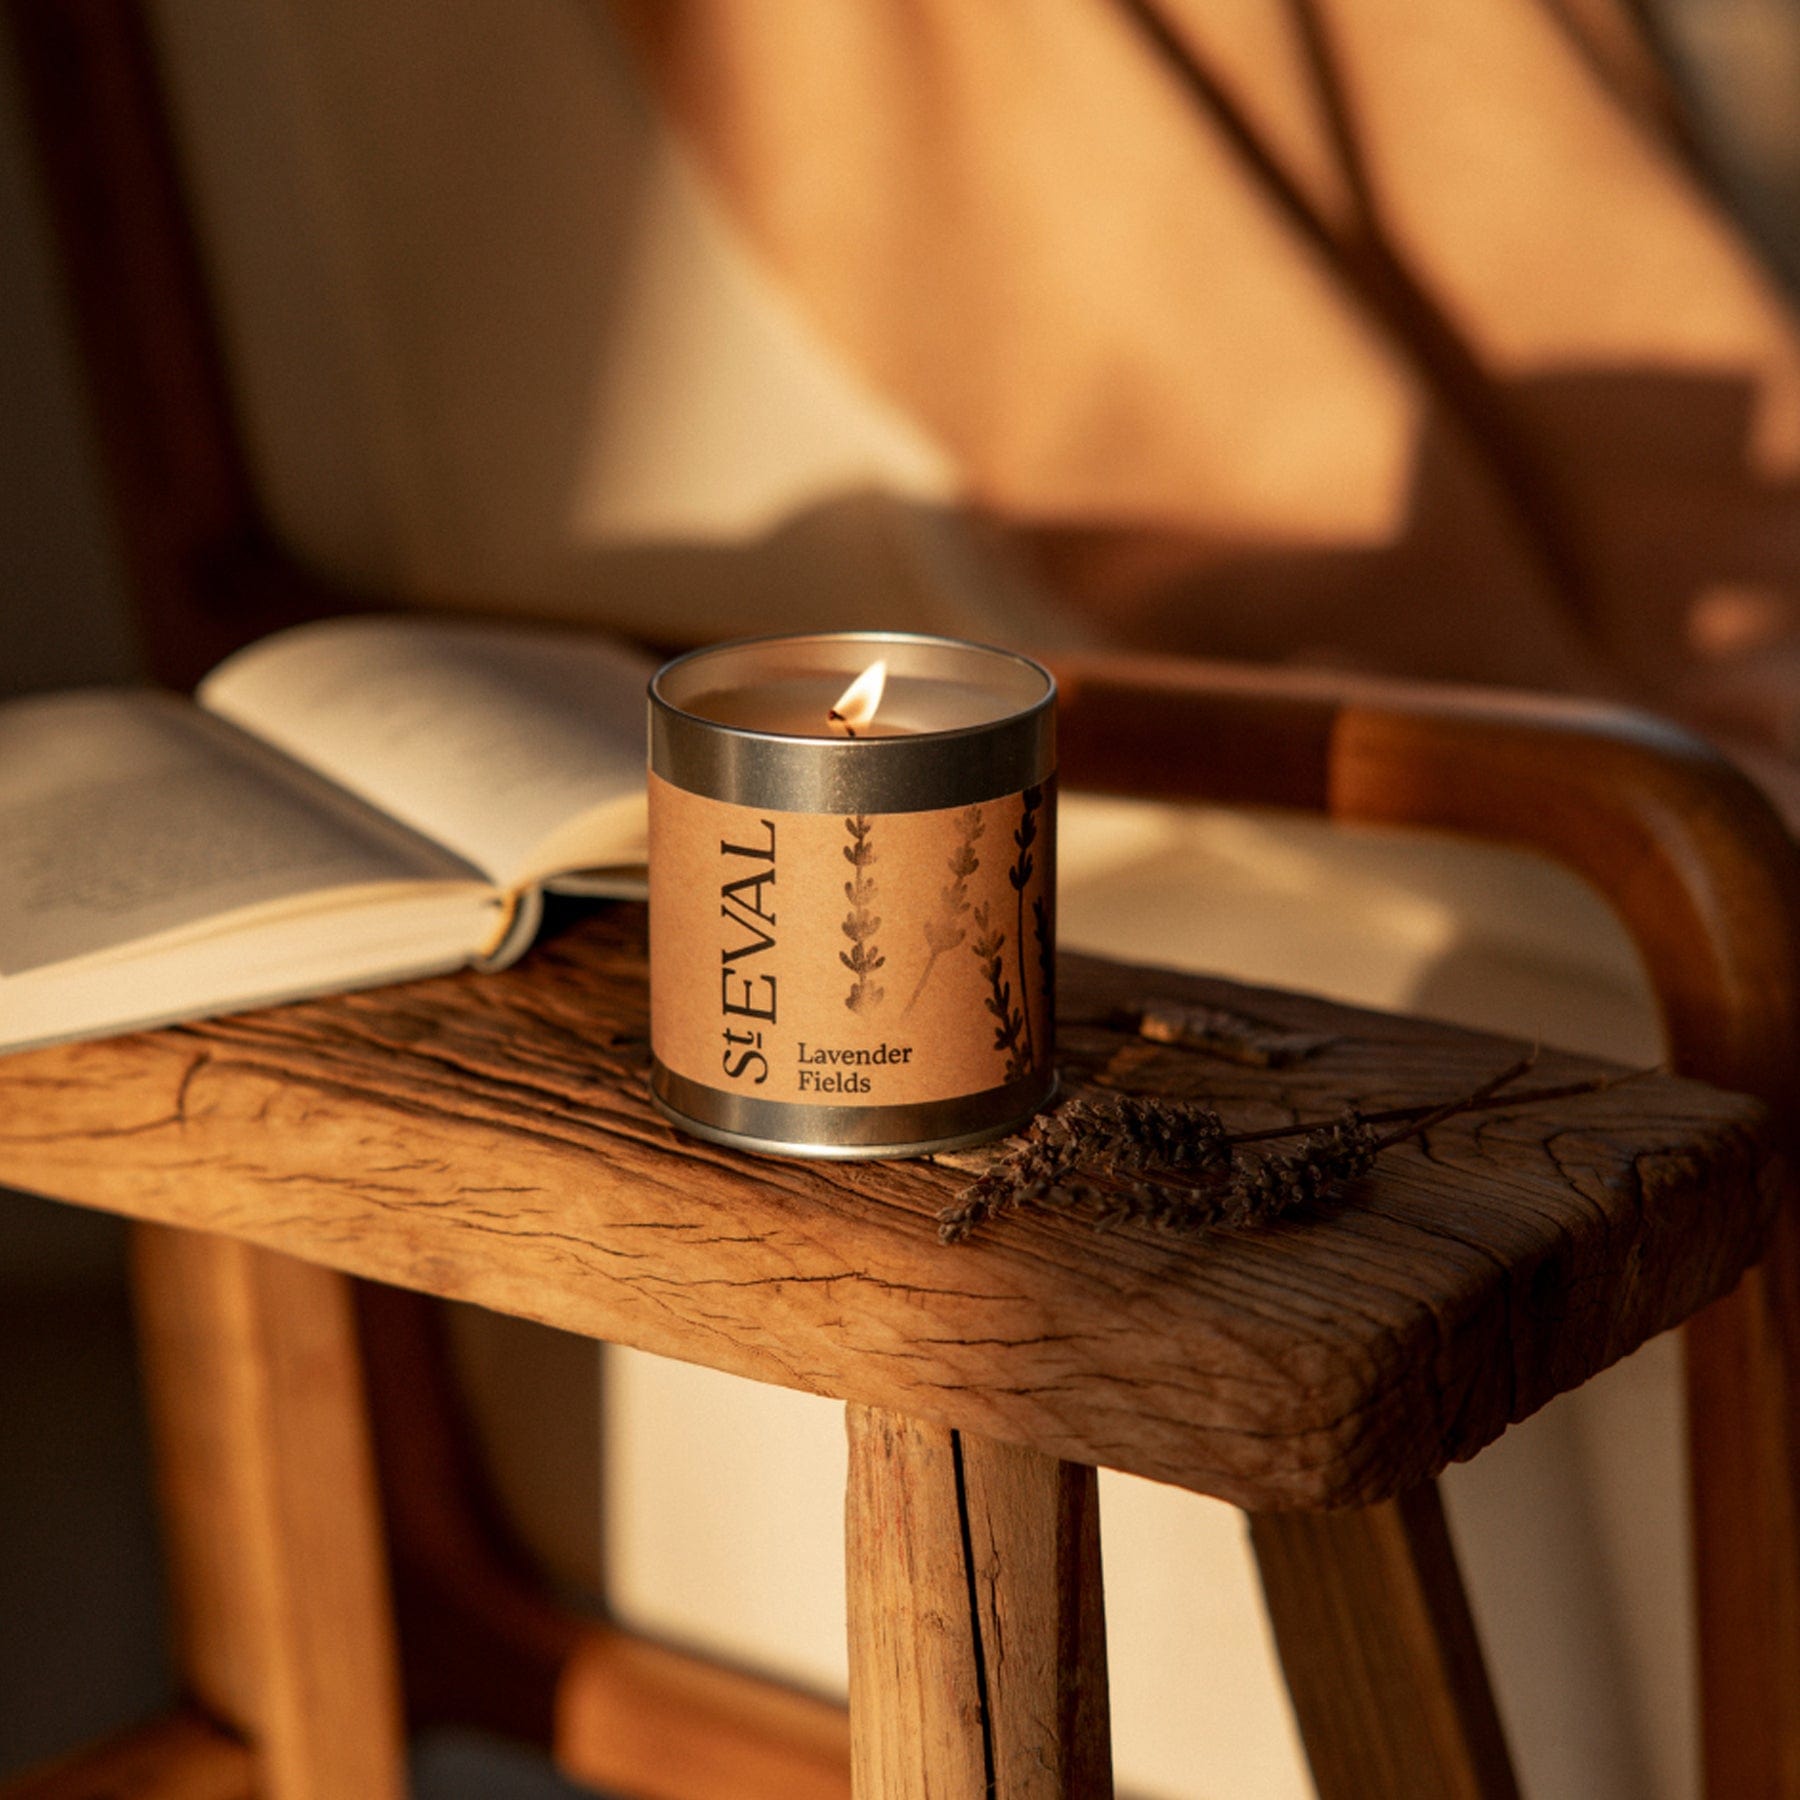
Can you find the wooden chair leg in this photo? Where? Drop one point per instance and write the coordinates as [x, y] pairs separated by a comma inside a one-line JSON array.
[[1743, 1382], [268, 1498], [488, 1646], [977, 1630], [1380, 1653]]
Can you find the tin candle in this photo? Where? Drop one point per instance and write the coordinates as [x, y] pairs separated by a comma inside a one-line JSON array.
[[852, 892]]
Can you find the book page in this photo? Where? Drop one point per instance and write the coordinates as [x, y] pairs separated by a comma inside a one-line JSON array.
[[521, 750], [128, 815], [268, 956]]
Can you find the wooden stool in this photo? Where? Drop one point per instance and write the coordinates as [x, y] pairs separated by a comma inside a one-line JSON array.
[[489, 1140]]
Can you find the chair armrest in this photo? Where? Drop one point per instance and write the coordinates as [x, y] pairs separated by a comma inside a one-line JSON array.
[[1685, 849]]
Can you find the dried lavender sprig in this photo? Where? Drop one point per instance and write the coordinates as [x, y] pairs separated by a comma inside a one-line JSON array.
[[1117, 1134], [1133, 1131], [1254, 1191], [1121, 1131], [1102, 1149], [1137, 1129]]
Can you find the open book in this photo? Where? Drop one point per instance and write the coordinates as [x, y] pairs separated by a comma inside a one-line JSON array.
[[350, 802]]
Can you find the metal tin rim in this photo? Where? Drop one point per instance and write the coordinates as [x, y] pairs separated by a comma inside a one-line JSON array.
[[786, 772], [835, 1130], [924, 639], [735, 1140]]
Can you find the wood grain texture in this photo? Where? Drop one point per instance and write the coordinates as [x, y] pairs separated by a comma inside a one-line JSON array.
[[977, 1637], [916, 1679], [182, 1757], [489, 1139], [1380, 1653], [268, 1502], [1032, 1528]]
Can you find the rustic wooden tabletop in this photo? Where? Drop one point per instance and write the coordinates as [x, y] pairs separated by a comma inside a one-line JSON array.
[[490, 1138]]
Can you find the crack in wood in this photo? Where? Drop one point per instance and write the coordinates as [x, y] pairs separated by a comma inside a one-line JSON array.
[[983, 1698]]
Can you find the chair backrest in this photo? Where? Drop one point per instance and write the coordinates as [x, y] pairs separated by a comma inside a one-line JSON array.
[[187, 525]]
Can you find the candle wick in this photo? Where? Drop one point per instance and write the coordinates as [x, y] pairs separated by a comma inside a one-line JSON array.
[[837, 718]]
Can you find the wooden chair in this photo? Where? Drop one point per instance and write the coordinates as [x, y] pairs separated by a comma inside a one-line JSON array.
[[491, 1140], [972, 1496], [1637, 809]]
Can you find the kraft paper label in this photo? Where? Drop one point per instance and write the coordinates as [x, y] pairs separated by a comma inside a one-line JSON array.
[[869, 960]]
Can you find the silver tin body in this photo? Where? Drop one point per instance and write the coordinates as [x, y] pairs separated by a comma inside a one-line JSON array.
[[871, 775]]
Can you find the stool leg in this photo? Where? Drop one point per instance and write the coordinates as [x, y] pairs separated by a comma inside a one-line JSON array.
[[977, 1633], [1380, 1653], [267, 1489]]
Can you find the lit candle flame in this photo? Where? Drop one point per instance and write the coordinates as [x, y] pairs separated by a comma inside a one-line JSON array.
[[856, 705]]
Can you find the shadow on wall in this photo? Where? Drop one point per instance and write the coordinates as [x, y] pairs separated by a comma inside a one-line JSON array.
[[1673, 571], [456, 326], [1671, 546]]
